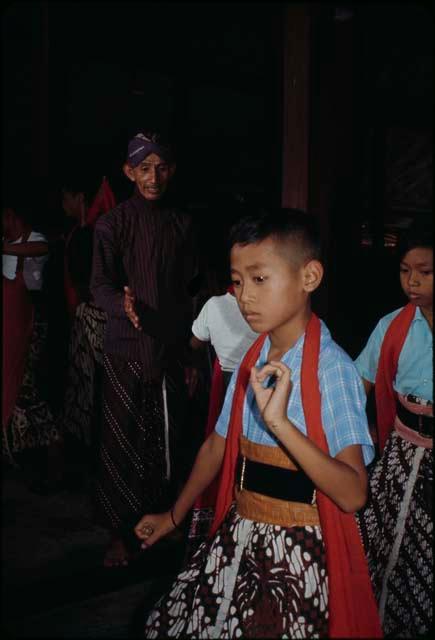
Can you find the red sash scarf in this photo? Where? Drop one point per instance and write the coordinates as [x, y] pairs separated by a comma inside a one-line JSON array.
[[392, 345], [217, 394], [353, 612]]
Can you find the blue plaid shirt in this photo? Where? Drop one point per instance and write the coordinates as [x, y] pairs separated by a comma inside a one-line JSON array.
[[343, 400]]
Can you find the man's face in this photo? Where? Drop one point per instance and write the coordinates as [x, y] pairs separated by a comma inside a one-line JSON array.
[[151, 176]]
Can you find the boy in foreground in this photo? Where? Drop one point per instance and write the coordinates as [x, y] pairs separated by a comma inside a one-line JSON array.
[[293, 466]]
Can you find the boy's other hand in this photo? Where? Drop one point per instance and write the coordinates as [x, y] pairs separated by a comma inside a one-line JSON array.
[[152, 527], [129, 308], [272, 400]]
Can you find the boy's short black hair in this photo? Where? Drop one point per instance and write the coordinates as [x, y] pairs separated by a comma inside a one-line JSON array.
[[283, 225], [418, 235]]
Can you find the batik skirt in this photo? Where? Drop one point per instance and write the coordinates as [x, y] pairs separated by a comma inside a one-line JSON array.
[[397, 530], [251, 580], [82, 406], [32, 424]]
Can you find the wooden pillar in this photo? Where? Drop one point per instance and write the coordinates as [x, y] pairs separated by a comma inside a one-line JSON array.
[[295, 96], [40, 94], [318, 124]]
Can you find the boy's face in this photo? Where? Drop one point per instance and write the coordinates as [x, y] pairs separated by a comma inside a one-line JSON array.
[[416, 276], [271, 291], [151, 176]]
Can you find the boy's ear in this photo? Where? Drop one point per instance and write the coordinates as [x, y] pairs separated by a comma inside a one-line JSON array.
[[313, 275], [128, 171]]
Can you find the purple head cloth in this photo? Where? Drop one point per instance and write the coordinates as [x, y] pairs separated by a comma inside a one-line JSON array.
[[142, 145]]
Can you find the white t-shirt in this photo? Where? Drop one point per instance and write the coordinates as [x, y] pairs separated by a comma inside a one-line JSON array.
[[221, 323], [32, 267]]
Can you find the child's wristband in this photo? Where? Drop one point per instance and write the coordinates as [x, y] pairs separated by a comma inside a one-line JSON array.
[[177, 526]]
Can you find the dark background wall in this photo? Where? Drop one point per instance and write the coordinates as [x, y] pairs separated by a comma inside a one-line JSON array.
[[80, 78]]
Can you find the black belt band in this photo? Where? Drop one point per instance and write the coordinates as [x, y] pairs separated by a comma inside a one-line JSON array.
[[275, 482], [422, 424]]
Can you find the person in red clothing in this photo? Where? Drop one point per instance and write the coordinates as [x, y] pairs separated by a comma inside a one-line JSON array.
[[284, 558], [30, 437]]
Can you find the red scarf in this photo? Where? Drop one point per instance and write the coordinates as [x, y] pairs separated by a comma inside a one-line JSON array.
[[207, 498], [353, 611], [392, 345]]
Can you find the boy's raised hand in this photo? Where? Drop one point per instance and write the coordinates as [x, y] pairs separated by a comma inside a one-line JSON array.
[[152, 527], [272, 401]]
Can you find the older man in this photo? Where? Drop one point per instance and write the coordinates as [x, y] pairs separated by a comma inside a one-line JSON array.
[[143, 262]]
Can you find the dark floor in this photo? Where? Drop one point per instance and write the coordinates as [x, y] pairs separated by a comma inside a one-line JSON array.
[[54, 584]]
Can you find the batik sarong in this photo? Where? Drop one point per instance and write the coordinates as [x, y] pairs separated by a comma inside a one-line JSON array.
[[136, 464], [32, 424], [82, 405], [251, 580], [397, 531]]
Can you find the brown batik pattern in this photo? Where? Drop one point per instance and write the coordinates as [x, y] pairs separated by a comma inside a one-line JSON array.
[[251, 580], [32, 424], [408, 610], [82, 397]]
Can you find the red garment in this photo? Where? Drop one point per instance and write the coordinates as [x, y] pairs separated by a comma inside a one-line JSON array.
[[385, 395], [217, 395], [353, 611], [103, 202], [18, 314]]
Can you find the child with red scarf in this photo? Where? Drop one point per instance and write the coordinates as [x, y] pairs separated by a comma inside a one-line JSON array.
[[396, 523], [284, 558]]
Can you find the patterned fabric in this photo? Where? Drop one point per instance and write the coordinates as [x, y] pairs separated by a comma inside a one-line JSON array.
[[406, 597], [415, 374], [252, 580], [132, 476], [82, 398], [343, 400], [32, 424]]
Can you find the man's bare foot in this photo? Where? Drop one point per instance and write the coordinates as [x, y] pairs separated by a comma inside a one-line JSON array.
[[117, 555]]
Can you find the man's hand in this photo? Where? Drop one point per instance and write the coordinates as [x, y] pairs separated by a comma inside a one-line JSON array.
[[129, 301]]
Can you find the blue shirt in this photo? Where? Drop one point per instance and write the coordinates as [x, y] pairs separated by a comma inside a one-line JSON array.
[[414, 369], [342, 395]]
